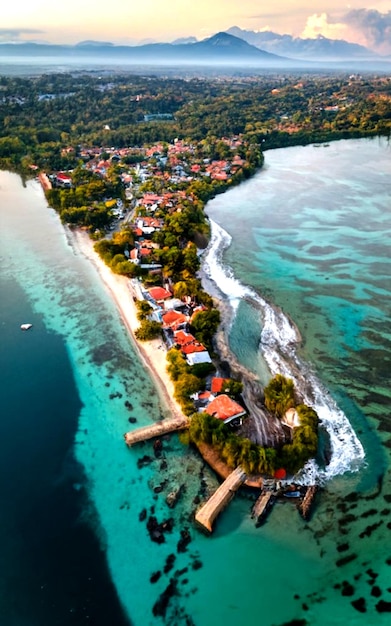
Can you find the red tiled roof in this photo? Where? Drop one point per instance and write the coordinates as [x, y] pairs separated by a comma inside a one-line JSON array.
[[173, 317], [183, 338], [217, 384], [146, 252], [159, 293], [190, 348], [224, 408]]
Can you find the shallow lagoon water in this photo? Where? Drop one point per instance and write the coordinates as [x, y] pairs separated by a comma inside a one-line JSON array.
[[287, 569]]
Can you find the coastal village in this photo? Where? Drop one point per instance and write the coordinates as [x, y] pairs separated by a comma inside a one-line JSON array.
[[144, 208]]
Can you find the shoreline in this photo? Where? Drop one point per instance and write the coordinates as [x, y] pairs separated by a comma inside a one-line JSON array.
[[152, 353]]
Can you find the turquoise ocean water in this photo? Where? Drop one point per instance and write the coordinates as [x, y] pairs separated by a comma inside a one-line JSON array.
[[310, 233]]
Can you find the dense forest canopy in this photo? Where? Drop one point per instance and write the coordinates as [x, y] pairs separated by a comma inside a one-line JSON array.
[[40, 116]]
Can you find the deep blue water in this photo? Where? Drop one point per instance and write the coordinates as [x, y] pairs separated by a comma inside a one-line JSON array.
[[53, 570]]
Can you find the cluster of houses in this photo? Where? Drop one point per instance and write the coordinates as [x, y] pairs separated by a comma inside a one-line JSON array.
[[172, 163], [175, 317]]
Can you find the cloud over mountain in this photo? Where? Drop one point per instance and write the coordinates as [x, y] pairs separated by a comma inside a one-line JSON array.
[[374, 27], [14, 34], [367, 27]]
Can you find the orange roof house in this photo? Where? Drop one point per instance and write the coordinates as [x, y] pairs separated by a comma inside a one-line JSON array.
[[217, 384], [173, 319], [190, 348], [225, 409], [145, 251], [182, 338], [159, 293]]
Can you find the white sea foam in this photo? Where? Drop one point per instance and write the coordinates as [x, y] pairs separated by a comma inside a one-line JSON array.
[[278, 344], [220, 274]]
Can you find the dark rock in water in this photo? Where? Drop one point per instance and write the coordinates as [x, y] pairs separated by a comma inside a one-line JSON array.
[[155, 577], [385, 512], [184, 540], [369, 513], [163, 465], [343, 547], [383, 607], [371, 573], [159, 609], [170, 560], [180, 572], [116, 394], [156, 530], [173, 497], [376, 591], [387, 497], [157, 536], [144, 460], [352, 497], [157, 447], [143, 515], [360, 605], [196, 500], [345, 560], [128, 405], [348, 519], [132, 420], [197, 564], [369, 529], [347, 589], [388, 561]]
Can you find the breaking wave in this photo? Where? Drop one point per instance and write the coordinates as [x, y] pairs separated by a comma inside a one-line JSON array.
[[279, 338]]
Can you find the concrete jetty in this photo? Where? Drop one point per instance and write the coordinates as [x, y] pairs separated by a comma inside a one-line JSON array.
[[206, 515], [305, 507], [262, 506], [157, 429]]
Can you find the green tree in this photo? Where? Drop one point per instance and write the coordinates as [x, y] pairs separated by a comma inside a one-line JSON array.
[[204, 325], [144, 309], [279, 395], [148, 330]]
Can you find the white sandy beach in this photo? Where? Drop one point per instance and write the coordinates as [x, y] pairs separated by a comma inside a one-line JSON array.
[[153, 353]]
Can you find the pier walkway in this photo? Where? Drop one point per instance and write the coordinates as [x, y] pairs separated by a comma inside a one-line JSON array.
[[156, 430], [219, 500], [305, 507], [262, 505]]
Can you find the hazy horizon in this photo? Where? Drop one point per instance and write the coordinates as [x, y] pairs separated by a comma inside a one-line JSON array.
[[156, 21]]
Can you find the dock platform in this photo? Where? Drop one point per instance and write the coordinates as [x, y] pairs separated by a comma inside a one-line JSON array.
[[262, 506], [305, 506], [157, 429], [206, 515]]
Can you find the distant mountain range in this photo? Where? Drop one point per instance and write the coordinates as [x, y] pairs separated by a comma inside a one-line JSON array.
[[237, 48], [319, 49], [221, 49]]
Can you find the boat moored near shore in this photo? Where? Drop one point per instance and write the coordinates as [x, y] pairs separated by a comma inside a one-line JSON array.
[[26, 326]]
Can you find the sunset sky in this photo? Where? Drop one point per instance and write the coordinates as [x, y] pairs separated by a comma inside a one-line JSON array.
[[135, 21]]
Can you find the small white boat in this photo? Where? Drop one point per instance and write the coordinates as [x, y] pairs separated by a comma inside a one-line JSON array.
[[25, 326]]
